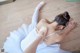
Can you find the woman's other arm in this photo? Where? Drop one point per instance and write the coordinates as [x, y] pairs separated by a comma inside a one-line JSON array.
[[32, 48], [71, 25], [59, 37]]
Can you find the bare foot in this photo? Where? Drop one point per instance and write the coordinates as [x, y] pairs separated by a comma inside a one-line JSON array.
[[40, 5]]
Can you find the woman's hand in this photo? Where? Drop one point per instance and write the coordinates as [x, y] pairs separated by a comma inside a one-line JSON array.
[[71, 25], [43, 32]]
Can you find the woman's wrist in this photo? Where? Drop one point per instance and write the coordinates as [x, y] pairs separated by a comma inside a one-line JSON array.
[[41, 37], [42, 32]]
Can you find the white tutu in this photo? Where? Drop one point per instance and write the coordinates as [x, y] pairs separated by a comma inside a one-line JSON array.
[[13, 42]]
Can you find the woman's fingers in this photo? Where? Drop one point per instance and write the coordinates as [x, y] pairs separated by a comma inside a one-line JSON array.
[[71, 19], [72, 24], [43, 32]]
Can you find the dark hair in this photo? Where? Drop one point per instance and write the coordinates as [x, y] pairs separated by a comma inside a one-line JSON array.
[[62, 19]]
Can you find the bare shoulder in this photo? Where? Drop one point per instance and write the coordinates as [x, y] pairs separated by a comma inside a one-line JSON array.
[[41, 23], [43, 20]]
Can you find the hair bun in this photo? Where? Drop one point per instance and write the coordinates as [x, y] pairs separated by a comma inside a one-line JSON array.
[[66, 15]]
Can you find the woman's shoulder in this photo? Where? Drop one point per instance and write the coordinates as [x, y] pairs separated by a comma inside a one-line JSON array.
[[43, 20], [41, 23]]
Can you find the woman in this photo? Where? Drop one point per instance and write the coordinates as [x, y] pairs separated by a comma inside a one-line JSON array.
[[40, 37], [46, 31]]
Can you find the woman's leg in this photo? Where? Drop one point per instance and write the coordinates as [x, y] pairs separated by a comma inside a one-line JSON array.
[[35, 16]]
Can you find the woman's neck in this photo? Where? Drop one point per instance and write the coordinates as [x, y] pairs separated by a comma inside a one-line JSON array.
[[54, 25], [52, 28]]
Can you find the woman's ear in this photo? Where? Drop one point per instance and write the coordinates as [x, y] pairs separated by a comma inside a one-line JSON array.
[[61, 27]]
